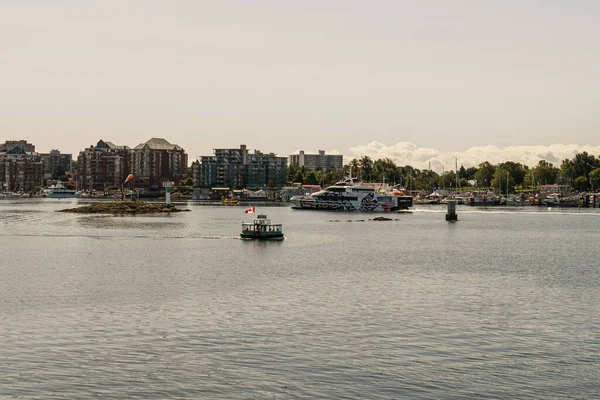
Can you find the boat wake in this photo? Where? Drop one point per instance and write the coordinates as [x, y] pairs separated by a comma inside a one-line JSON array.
[[119, 237], [510, 210]]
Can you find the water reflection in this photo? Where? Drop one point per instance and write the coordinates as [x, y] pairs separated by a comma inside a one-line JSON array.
[[179, 307]]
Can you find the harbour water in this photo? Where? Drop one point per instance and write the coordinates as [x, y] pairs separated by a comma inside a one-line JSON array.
[[503, 304]]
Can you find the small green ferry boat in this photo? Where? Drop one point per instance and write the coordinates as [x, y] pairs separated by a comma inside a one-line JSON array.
[[261, 229]]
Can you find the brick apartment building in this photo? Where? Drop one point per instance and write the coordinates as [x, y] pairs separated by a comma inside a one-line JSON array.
[[151, 163], [156, 161], [103, 165], [20, 170]]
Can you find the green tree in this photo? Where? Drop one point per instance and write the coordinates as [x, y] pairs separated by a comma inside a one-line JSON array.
[[545, 173], [292, 172], [385, 168], [584, 163], [346, 170], [409, 177], [189, 170], [581, 183], [187, 182], [366, 166], [299, 178], [517, 171], [319, 175], [463, 183], [426, 180], [594, 176], [566, 172], [484, 174], [354, 168], [448, 179], [501, 176], [333, 176], [310, 178], [469, 173], [58, 173]]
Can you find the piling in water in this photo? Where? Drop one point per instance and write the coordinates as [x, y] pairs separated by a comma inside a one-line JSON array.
[[451, 215]]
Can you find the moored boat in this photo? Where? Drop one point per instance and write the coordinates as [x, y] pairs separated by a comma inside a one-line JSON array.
[[59, 191], [557, 200], [513, 202], [262, 229], [348, 196], [229, 201], [484, 199]]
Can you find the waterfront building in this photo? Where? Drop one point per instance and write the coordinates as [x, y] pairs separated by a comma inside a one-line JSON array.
[[266, 170], [56, 164], [226, 168], [237, 168], [23, 145], [156, 161], [103, 165], [325, 162], [20, 170]]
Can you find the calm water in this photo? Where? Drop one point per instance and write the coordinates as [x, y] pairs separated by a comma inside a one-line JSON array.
[[504, 304]]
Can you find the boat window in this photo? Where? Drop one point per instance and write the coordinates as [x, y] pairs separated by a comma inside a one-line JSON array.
[[363, 190]]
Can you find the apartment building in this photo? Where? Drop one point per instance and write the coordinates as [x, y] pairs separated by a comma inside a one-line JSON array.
[[103, 165], [266, 170], [56, 164], [151, 163], [157, 161], [237, 168], [23, 145], [226, 168], [20, 170], [325, 162]]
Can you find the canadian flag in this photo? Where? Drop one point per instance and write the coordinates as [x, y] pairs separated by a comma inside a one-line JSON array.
[[249, 210]]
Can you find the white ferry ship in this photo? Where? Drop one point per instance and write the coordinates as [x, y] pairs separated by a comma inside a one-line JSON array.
[[348, 196]]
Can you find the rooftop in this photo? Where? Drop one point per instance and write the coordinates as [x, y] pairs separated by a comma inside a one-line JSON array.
[[157, 144]]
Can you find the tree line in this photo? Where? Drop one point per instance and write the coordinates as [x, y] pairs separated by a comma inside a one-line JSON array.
[[582, 173]]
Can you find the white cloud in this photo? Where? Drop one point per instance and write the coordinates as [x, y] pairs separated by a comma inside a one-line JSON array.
[[406, 153]]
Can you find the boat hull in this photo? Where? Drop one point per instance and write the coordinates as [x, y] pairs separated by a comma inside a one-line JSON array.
[[63, 195], [369, 205], [255, 235], [514, 203], [562, 204]]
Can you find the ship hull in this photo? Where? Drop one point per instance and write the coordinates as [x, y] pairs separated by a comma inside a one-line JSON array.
[[255, 235], [397, 203], [563, 204], [62, 195]]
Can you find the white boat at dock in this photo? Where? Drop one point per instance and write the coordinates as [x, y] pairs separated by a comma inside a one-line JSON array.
[[348, 196], [59, 191]]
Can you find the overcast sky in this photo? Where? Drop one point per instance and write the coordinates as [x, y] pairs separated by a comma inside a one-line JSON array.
[[352, 76]]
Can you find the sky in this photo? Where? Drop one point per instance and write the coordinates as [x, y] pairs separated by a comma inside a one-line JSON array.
[[418, 81]]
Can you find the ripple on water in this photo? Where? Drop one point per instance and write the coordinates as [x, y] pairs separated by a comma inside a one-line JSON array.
[[155, 308]]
